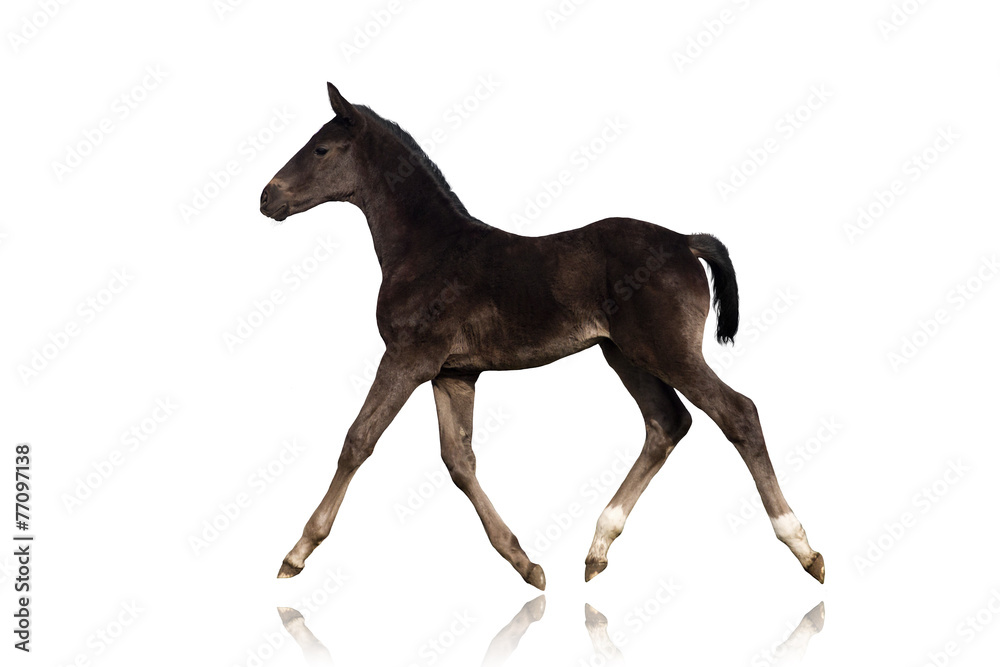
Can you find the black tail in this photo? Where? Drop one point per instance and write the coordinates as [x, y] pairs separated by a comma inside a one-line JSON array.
[[727, 297]]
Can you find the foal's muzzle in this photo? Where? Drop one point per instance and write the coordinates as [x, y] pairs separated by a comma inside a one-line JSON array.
[[273, 203]]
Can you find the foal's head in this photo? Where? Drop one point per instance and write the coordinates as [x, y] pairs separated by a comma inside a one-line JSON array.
[[323, 170]]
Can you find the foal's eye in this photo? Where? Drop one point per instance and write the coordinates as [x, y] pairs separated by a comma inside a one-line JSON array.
[[321, 150]]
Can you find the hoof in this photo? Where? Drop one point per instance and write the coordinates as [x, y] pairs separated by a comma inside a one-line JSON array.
[[817, 569], [288, 570], [536, 577], [594, 568]]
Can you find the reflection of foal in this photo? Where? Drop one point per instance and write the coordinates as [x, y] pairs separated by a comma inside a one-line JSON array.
[[459, 297]]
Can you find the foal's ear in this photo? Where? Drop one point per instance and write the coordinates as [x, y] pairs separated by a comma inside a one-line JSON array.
[[341, 107]]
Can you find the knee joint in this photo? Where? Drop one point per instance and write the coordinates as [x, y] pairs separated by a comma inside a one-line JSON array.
[[461, 466], [658, 444], [663, 434], [356, 450]]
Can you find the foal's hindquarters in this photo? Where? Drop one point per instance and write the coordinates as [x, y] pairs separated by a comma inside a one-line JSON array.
[[656, 330]]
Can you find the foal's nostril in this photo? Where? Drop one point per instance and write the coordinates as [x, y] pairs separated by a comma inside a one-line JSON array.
[[272, 202]]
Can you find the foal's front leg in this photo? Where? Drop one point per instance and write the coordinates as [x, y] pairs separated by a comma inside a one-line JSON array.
[[394, 382], [454, 397]]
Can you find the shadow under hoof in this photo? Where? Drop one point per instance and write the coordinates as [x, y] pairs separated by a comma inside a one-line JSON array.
[[597, 628], [594, 568], [536, 577], [313, 649], [815, 618], [817, 569], [534, 609], [290, 615], [506, 641], [793, 649], [288, 571]]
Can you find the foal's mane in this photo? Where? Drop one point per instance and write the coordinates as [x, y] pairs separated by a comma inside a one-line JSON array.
[[422, 159]]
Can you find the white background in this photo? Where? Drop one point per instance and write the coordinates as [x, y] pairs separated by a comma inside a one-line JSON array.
[[894, 594]]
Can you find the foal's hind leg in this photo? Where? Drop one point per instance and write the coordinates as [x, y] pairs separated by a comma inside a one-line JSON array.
[[667, 420], [454, 397], [737, 416]]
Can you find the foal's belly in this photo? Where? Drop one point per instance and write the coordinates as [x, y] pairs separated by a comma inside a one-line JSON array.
[[503, 352]]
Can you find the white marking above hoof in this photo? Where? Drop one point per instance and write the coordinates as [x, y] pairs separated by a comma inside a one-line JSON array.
[[609, 526], [790, 531]]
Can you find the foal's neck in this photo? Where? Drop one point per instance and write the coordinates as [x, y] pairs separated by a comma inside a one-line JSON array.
[[413, 222]]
